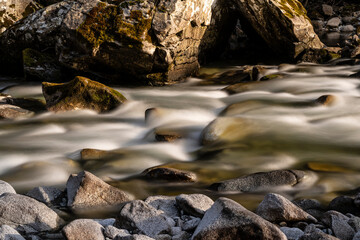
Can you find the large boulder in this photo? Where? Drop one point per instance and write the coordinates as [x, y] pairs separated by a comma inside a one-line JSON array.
[[81, 93]]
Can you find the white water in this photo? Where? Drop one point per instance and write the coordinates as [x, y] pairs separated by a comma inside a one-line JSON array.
[[44, 149]]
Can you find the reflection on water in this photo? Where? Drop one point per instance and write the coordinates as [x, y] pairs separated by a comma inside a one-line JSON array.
[[269, 125]]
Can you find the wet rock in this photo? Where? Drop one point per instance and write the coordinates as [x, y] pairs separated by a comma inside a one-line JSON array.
[[139, 217], [278, 35], [169, 174], [276, 208], [85, 191], [6, 188], [334, 22], [344, 204], [8, 111], [194, 204], [30, 104], [326, 100], [167, 135], [45, 195], [13, 11], [311, 232], [164, 203], [327, 10], [111, 232], [356, 52], [227, 219], [86, 228], [8, 233], [292, 233], [27, 215], [261, 181], [93, 154], [81, 93]]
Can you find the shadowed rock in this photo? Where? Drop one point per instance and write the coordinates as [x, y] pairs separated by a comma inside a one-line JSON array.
[[169, 174]]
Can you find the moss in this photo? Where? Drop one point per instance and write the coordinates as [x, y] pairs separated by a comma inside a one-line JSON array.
[[270, 77], [292, 8], [105, 23], [33, 58], [30, 8]]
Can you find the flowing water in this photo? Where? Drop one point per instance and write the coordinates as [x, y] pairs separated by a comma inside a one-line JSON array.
[[270, 125]]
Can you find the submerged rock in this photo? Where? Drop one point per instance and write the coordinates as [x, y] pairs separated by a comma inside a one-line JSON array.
[[169, 174], [87, 192], [227, 219], [81, 93]]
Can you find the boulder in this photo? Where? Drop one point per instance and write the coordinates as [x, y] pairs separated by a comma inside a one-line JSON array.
[[289, 32], [140, 217], [85, 191], [194, 204], [261, 181], [164, 203], [12, 11], [169, 174], [292, 233], [81, 93], [45, 194], [27, 215], [276, 208], [6, 188], [84, 229], [8, 233], [227, 219], [8, 111]]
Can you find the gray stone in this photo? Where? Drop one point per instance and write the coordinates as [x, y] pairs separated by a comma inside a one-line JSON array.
[[86, 192], [347, 28], [276, 208], [8, 233], [341, 228], [6, 188], [191, 224], [227, 219], [261, 181], [306, 204], [328, 216], [111, 232], [357, 236], [354, 222], [194, 204], [311, 233], [164, 203], [105, 222], [327, 10], [46, 195], [182, 236], [135, 237], [175, 231], [84, 229], [334, 22], [8, 111], [27, 215], [344, 204], [139, 217], [169, 174], [292, 233]]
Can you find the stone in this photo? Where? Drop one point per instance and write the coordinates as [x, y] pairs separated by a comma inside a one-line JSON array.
[[105, 222], [87, 192], [347, 28], [344, 205], [166, 135], [357, 200], [191, 224], [182, 236], [6, 188], [357, 236], [8, 111], [169, 174], [140, 217], [334, 22], [276, 208], [341, 228], [86, 228], [356, 52], [27, 215], [326, 100], [194, 204], [81, 93], [354, 222], [111, 232], [164, 203], [30, 104], [306, 204], [45, 194], [227, 219], [8, 233], [311, 232], [260, 181], [14, 10], [93, 154], [292, 233], [327, 10]]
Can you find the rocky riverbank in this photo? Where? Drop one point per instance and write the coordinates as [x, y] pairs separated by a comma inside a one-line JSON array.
[[48, 213]]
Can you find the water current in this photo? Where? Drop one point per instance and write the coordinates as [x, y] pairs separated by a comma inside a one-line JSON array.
[[268, 125]]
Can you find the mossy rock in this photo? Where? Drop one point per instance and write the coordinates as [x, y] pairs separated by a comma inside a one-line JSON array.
[[81, 93]]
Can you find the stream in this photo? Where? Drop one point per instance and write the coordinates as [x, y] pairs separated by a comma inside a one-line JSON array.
[[270, 125]]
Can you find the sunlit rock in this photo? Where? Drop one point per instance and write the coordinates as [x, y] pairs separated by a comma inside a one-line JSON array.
[[6, 188], [86, 228], [194, 204]]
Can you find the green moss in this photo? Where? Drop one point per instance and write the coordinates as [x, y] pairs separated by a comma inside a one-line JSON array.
[[105, 23], [33, 58], [293, 8]]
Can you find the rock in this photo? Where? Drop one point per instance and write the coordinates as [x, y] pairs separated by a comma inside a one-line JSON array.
[[165, 204], [6, 188], [194, 204], [356, 52], [278, 35], [311, 232], [111, 232], [292, 233], [326, 100], [354, 222], [30, 104], [357, 236], [166, 135], [227, 219], [13, 11], [334, 22], [8, 233], [327, 10], [357, 200], [306, 204], [136, 237], [81, 93], [347, 28], [27, 215], [169, 174], [85, 191], [8, 111], [261, 181], [86, 228], [341, 228], [45, 195], [344, 204], [276, 208], [139, 217], [182, 236], [191, 224], [105, 222]]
